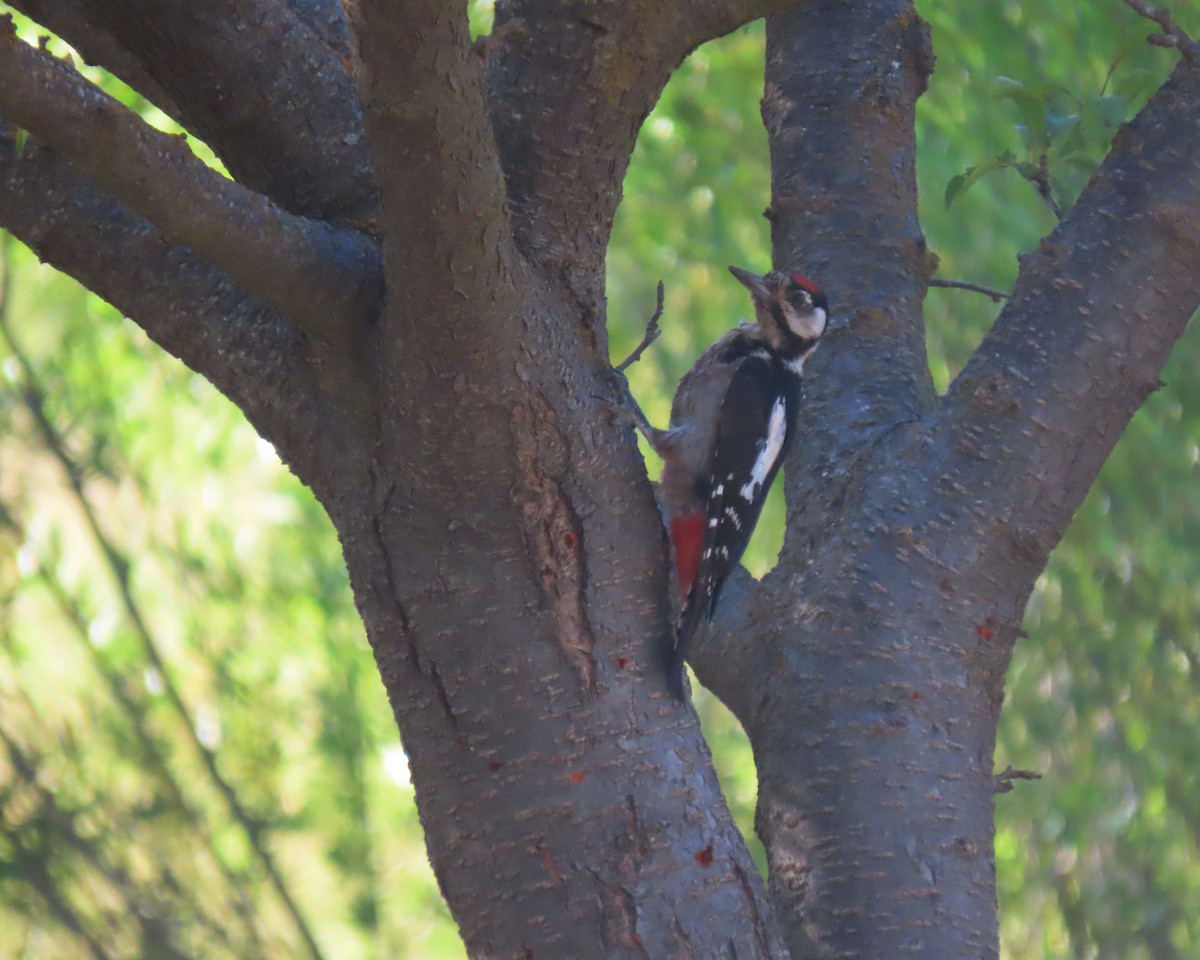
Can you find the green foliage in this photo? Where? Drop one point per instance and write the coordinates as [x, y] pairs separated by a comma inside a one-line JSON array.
[[161, 755], [1099, 858], [1062, 138], [117, 831]]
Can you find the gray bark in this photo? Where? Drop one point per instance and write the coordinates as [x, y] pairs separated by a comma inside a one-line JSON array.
[[502, 540], [872, 678]]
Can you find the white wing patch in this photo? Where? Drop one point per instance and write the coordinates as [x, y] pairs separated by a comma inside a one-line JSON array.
[[773, 443]]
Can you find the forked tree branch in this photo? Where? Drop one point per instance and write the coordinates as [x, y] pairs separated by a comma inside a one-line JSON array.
[[273, 98], [570, 83], [709, 19], [247, 348], [1172, 36], [1092, 318], [325, 278]]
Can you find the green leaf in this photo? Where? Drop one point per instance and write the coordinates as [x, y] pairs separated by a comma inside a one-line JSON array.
[[1059, 124], [1108, 111], [1038, 104], [1082, 162], [1136, 84], [962, 182]]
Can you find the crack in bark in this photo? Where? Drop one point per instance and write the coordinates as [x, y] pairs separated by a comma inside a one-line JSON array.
[[389, 571], [685, 942], [620, 919], [553, 531], [638, 833], [444, 700], [760, 933]]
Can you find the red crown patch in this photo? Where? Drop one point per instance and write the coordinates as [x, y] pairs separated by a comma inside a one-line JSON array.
[[805, 283]]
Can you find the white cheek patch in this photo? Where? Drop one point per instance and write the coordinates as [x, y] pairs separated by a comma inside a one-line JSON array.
[[769, 454], [806, 325]]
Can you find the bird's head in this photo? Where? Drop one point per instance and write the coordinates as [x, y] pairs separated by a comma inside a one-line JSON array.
[[790, 308]]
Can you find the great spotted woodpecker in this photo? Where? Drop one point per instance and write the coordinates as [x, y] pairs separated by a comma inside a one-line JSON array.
[[732, 420]]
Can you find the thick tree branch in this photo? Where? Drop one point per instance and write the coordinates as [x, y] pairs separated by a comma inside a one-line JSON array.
[[842, 82], [254, 82], [830, 663], [326, 19], [325, 278], [69, 19], [839, 106], [494, 550], [244, 346], [570, 82], [421, 84], [1092, 319]]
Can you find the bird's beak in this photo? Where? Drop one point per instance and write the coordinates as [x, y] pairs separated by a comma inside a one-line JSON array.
[[751, 282]]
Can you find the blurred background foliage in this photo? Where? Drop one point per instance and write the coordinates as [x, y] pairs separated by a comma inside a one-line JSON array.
[[196, 755]]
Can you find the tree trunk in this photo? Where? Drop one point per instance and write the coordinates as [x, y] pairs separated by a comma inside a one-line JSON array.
[[504, 545]]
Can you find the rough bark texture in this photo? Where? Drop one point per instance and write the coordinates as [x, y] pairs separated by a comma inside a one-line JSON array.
[[918, 525], [500, 534]]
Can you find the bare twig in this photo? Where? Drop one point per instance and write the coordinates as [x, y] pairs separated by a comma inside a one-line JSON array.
[[652, 334], [1172, 36], [295, 132], [318, 274], [627, 403], [1040, 178], [1004, 779], [996, 295]]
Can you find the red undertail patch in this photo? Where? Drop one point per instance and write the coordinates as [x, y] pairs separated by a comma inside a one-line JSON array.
[[687, 534]]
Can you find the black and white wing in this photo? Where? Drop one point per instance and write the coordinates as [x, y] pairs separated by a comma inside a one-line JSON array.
[[753, 433]]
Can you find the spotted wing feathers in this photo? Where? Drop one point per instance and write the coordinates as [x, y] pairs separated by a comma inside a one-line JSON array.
[[753, 433]]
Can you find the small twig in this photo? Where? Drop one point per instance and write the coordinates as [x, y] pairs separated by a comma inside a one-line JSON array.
[[652, 334], [1173, 36], [1004, 779], [1041, 180], [1112, 68], [628, 404], [996, 295]]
